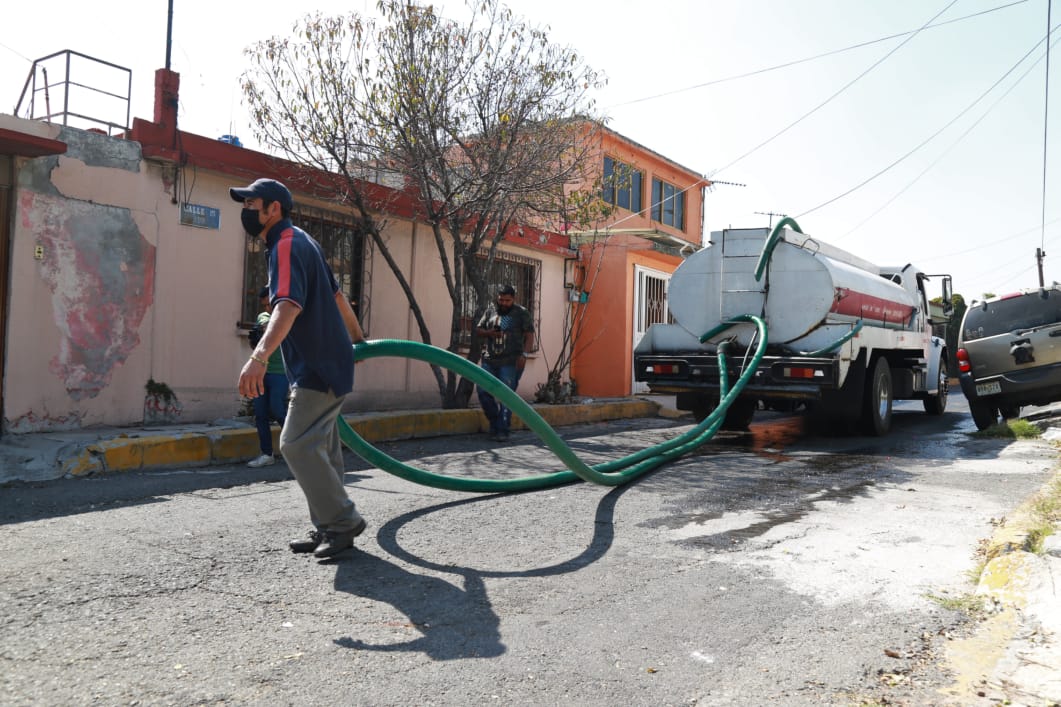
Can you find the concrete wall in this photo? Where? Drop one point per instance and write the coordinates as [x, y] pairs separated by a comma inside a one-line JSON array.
[[122, 293]]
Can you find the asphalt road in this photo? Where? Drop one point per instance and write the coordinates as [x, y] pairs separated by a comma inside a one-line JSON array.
[[772, 567]]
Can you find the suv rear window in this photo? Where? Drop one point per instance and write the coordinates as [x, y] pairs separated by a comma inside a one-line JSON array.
[[1012, 314]]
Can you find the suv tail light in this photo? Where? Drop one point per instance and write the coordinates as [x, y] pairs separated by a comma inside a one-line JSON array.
[[964, 365]]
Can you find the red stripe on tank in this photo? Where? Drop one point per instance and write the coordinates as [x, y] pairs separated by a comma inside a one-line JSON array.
[[863, 306]]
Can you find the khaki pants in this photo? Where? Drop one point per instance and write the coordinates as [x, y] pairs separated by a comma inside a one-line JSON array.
[[310, 444]]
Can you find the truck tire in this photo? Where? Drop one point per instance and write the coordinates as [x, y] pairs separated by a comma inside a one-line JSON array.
[[984, 413], [936, 404], [739, 415], [702, 409], [877, 402]]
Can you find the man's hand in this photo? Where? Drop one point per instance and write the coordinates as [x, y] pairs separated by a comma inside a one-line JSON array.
[[521, 362], [252, 379]]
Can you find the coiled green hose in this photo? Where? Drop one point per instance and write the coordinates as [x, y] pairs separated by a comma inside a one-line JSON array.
[[613, 473]]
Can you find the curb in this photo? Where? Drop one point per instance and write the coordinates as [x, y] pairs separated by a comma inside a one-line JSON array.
[[1008, 580], [225, 446]]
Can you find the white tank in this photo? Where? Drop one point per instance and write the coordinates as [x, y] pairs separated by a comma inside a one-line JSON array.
[[810, 295]]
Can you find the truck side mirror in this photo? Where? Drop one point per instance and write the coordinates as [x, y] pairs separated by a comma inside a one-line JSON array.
[[948, 297]]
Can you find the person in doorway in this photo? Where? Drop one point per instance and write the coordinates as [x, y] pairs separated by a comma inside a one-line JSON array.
[[508, 332], [314, 325], [272, 404]]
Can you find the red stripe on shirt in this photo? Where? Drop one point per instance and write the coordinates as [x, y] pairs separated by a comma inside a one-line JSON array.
[[283, 264]]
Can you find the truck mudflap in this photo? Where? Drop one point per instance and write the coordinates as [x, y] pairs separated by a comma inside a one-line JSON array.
[[799, 378]]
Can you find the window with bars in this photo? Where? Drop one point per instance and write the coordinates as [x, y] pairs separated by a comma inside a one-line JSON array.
[[668, 204], [622, 185], [522, 273], [344, 246]]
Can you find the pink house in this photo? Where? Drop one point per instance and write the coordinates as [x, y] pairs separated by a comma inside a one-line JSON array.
[[122, 261]]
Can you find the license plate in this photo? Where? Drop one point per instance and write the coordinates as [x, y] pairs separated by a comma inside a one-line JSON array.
[[992, 388]]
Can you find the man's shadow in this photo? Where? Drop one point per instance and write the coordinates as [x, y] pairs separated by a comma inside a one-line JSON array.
[[454, 621]]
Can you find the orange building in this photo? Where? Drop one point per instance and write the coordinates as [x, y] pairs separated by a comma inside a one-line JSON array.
[[618, 284]]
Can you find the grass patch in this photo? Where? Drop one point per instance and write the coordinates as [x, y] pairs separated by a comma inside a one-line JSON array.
[[1010, 429], [1046, 512], [970, 604]]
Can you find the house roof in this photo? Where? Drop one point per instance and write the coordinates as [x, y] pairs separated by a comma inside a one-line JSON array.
[[13, 142]]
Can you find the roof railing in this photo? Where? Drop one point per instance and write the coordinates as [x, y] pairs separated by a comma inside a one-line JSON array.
[[52, 100]]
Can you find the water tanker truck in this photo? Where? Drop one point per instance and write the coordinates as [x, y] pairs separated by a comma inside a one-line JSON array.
[[845, 337]]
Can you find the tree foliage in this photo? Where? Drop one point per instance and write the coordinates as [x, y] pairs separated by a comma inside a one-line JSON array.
[[481, 121]]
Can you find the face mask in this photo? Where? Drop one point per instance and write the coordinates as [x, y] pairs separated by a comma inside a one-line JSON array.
[[251, 224]]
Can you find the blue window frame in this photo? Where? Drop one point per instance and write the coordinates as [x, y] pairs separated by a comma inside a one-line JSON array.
[[622, 185], [668, 204]]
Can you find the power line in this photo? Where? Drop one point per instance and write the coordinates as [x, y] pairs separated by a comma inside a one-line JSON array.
[[930, 138], [828, 100], [787, 64], [955, 144], [1046, 114]]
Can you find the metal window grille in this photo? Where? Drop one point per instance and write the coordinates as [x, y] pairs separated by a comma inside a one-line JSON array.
[[345, 247], [519, 271]]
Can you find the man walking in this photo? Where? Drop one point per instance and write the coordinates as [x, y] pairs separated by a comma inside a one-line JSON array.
[[508, 330], [313, 320]]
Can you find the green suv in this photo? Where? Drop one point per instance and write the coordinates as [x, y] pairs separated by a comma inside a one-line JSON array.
[[1009, 353]]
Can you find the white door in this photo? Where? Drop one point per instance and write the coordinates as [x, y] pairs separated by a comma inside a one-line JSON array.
[[650, 307]]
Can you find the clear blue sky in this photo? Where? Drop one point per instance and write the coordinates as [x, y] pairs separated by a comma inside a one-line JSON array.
[[969, 206]]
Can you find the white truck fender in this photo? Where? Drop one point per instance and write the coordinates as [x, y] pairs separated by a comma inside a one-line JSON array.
[[936, 351]]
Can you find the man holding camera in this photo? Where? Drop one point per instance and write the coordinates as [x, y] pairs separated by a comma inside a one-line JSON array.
[[508, 332]]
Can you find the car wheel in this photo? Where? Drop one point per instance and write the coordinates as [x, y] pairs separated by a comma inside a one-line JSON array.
[[936, 404], [877, 402], [984, 413], [739, 415]]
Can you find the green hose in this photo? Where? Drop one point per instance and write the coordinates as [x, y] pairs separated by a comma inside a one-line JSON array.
[[771, 243], [613, 473]]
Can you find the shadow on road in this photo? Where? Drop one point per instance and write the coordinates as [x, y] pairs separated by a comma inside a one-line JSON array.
[[455, 621]]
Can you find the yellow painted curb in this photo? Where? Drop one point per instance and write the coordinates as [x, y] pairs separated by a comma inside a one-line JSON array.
[[122, 454], [226, 446], [192, 449], [237, 445]]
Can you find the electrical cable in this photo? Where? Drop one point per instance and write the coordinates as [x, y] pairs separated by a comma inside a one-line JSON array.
[[828, 100], [955, 144], [930, 138], [796, 62]]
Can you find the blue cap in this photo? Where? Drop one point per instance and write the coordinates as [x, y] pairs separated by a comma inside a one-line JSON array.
[[267, 190]]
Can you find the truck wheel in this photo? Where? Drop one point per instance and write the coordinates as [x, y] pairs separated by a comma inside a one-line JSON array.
[[877, 403], [1009, 412], [984, 413], [740, 414], [936, 404]]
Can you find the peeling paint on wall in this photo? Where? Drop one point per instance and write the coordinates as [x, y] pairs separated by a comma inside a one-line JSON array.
[[32, 422], [101, 273]]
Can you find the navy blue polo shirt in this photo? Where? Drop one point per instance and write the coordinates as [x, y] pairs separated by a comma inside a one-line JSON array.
[[318, 353]]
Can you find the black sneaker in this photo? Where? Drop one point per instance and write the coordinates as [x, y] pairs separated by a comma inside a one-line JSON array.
[[308, 544], [334, 542], [502, 436]]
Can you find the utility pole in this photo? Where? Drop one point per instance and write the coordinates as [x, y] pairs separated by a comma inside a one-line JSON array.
[[771, 214], [1039, 255], [169, 35]]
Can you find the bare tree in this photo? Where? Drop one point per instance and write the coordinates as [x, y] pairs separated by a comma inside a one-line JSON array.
[[483, 121]]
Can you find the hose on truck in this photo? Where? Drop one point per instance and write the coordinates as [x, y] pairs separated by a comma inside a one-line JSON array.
[[613, 473]]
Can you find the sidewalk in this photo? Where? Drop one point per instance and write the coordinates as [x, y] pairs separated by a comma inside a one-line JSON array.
[[1014, 656], [54, 455]]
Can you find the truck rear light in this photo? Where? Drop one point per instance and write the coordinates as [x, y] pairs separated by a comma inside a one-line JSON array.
[[796, 372], [660, 368], [964, 365]]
